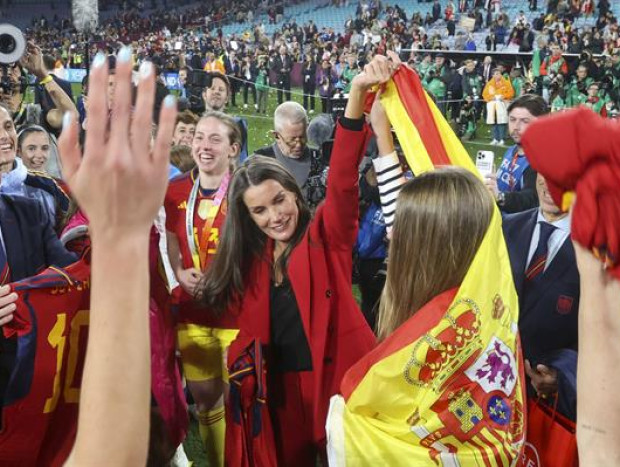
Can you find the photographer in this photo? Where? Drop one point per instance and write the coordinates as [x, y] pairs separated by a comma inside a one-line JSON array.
[[12, 83], [578, 88]]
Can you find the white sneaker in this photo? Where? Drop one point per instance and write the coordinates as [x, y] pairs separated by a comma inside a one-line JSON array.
[[256, 106], [501, 142], [311, 111], [245, 106], [494, 142]]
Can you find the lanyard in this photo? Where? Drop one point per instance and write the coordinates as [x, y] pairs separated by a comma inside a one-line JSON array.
[[511, 177], [199, 252]]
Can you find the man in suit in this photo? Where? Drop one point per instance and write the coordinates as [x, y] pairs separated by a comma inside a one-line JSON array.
[[282, 65], [486, 69], [547, 282], [233, 71]]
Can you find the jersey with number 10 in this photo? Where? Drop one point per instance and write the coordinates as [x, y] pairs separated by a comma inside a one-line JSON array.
[[40, 407]]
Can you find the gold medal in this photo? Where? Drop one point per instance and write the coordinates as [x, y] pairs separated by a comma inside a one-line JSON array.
[[204, 208]]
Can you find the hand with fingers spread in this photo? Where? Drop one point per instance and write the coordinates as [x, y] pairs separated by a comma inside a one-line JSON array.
[[7, 304], [120, 182]]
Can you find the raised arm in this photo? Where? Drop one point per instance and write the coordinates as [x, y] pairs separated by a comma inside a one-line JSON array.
[[120, 184], [598, 410], [33, 62], [390, 176], [340, 211]]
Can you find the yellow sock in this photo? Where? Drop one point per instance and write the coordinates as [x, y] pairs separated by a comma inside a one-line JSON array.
[[212, 427]]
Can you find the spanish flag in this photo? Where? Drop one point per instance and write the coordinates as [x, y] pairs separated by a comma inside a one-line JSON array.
[[446, 388]]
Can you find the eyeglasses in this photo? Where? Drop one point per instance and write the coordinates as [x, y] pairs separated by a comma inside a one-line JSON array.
[[292, 142]]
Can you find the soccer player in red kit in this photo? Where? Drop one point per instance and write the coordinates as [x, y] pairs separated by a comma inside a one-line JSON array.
[[195, 211], [40, 404]]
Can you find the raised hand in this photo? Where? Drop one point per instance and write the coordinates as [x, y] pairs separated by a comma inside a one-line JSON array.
[[378, 71], [121, 180]]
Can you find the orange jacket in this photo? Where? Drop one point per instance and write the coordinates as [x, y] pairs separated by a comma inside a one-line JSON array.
[[494, 88]]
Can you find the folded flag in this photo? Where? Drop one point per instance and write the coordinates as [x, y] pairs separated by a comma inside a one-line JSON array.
[[446, 387], [579, 151]]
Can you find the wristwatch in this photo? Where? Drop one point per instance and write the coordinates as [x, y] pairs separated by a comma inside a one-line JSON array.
[[501, 198]]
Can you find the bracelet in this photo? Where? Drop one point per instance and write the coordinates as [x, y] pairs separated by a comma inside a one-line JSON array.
[[47, 79]]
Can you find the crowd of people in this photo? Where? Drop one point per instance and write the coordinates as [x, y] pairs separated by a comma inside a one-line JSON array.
[[147, 207]]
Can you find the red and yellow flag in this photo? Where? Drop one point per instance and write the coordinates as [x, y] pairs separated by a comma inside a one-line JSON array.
[[447, 387]]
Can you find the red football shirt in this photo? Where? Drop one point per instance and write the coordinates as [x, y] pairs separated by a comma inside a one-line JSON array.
[[40, 407], [175, 204]]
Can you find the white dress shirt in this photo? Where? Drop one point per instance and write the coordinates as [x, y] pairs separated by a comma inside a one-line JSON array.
[[557, 239]]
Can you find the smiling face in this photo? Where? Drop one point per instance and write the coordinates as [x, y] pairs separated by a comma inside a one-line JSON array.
[[273, 209], [211, 146], [35, 150], [8, 141], [183, 134]]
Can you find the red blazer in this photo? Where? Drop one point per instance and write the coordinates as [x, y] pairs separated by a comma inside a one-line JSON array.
[[320, 269]]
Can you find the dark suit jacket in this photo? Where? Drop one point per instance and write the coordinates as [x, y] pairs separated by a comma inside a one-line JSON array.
[[548, 315], [29, 238], [283, 77]]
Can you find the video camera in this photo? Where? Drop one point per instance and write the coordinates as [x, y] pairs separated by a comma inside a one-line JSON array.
[[12, 47], [197, 82]]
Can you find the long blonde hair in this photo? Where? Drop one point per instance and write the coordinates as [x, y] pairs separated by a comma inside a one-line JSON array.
[[441, 219]]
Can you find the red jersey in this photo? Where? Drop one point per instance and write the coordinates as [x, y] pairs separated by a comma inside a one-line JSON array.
[[40, 406], [176, 205]]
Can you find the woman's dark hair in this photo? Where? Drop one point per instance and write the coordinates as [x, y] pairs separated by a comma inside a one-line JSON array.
[[242, 242]]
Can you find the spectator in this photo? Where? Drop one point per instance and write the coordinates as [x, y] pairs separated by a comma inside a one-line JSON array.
[[594, 102], [497, 92], [547, 282], [249, 72], [233, 72], [371, 246], [290, 123], [262, 85], [17, 181], [184, 128], [216, 95], [52, 93], [34, 146], [309, 82], [326, 79], [282, 66], [514, 185]]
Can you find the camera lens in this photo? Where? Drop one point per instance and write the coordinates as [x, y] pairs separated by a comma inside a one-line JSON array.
[[7, 44]]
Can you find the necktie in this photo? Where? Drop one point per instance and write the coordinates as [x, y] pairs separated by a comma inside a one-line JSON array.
[[4, 265], [539, 259]]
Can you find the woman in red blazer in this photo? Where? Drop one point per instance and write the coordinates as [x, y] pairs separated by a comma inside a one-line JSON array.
[[290, 277]]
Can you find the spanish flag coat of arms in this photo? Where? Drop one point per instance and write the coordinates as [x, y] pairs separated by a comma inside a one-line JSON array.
[[446, 388]]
